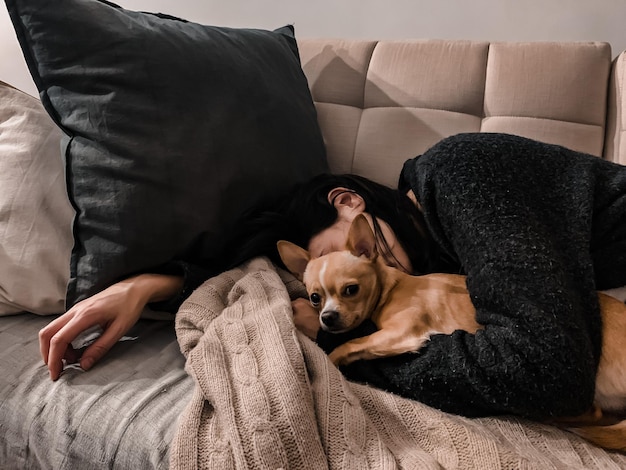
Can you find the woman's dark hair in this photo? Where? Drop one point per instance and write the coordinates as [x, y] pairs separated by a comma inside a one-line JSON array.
[[306, 211]]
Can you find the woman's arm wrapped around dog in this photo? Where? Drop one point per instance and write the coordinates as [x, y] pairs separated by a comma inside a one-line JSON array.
[[517, 214]]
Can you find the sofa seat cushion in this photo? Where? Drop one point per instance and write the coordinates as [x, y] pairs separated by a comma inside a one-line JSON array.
[[121, 414]]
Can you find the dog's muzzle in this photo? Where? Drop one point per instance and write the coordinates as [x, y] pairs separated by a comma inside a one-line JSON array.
[[329, 318]]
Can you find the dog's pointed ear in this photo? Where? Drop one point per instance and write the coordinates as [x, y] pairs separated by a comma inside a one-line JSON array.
[[294, 257], [361, 240]]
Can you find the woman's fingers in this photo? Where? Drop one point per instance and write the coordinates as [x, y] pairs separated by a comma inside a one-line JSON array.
[[101, 346], [55, 340], [115, 310], [46, 334], [59, 344]]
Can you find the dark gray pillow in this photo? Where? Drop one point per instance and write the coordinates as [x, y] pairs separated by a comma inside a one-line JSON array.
[[175, 129]]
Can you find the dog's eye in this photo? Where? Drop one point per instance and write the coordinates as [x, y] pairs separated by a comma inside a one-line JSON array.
[[315, 299], [351, 290]]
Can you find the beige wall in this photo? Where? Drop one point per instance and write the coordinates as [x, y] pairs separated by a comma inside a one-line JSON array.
[[492, 20]]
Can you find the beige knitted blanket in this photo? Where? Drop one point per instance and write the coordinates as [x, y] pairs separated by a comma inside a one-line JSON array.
[[267, 397]]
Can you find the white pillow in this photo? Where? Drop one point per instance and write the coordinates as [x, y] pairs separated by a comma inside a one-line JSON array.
[[35, 213]]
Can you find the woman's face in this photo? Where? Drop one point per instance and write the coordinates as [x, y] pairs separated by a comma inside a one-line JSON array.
[[334, 239]]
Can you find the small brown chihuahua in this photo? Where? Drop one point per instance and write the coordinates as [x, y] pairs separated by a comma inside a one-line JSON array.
[[346, 287]]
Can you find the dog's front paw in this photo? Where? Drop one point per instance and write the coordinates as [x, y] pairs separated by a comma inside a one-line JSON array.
[[339, 356]]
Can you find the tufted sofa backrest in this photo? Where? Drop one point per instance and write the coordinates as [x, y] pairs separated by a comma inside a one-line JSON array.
[[382, 102]]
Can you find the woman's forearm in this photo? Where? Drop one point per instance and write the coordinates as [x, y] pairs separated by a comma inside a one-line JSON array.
[[155, 287]]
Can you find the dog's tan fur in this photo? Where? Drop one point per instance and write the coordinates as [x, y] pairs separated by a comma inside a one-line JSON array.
[[407, 310]]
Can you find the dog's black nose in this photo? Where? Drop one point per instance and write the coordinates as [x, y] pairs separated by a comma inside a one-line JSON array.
[[329, 318]]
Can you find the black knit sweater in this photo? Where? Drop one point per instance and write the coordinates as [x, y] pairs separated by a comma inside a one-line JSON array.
[[537, 228]]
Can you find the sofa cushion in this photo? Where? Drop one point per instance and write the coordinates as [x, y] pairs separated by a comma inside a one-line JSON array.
[[175, 129], [35, 213], [383, 102], [553, 92]]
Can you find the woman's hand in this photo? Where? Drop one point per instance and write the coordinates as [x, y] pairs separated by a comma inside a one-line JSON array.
[[305, 317], [115, 309]]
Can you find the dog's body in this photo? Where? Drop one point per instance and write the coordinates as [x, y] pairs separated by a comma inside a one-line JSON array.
[[347, 287], [409, 310]]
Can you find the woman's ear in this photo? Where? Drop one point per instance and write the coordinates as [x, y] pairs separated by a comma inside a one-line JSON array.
[[346, 200]]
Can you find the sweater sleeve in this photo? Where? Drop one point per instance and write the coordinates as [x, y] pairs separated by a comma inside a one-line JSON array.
[[517, 214]]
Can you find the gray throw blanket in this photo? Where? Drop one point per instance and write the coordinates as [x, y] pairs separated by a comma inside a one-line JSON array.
[[267, 397]]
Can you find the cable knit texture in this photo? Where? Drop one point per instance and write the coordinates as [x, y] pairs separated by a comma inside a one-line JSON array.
[[267, 397]]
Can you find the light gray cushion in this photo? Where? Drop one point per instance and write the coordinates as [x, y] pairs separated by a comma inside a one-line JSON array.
[[35, 213]]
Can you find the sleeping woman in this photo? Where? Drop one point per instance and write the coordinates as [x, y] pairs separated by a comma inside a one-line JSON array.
[[536, 228]]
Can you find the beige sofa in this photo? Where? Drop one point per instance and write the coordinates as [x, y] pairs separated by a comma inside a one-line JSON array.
[[379, 103]]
